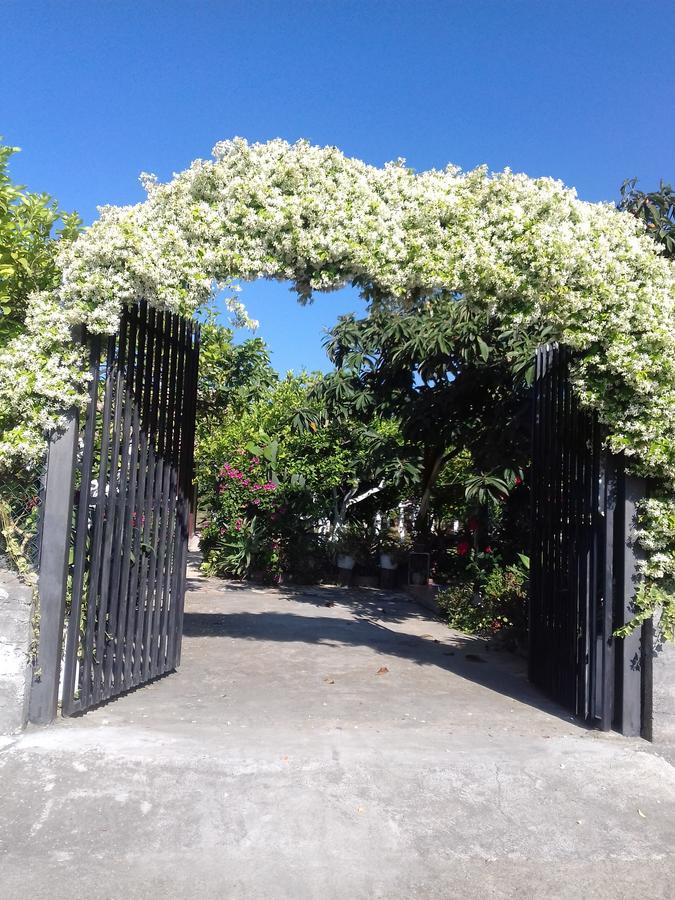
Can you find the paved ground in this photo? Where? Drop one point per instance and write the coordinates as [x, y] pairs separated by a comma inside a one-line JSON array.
[[331, 744]]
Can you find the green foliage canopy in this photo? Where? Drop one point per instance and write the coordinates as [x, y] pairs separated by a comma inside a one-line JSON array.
[[449, 376], [528, 251], [655, 208], [31, 225]]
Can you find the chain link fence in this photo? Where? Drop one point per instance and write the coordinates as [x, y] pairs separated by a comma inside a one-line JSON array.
[[21, 498]]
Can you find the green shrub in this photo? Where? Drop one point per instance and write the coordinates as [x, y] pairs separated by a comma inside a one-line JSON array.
[[496, 605]]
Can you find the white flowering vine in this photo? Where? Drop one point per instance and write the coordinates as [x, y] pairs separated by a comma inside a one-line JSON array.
[[528, 249]]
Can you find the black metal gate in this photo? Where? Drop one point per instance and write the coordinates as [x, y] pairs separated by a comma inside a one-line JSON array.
[[132, 503], [571, 577]]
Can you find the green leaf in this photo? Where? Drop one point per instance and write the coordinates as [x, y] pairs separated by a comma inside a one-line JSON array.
[[484, 349]]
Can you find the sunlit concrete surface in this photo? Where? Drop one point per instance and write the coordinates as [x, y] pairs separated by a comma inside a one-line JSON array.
[[322, 743]]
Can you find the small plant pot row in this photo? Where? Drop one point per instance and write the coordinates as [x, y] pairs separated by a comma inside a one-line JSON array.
[[347, 562]]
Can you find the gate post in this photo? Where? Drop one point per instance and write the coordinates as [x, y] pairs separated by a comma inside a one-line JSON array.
[[629, 658], [57, 511]]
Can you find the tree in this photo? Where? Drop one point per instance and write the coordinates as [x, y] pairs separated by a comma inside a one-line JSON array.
[[340, 462], [230, 375], [321, 466], [454, 380], [356, 465], [656, 209], [31, 227]]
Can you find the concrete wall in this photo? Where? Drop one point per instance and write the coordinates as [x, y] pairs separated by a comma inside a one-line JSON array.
[[15, 634], [663, 694], [425, 595], [663, 699]]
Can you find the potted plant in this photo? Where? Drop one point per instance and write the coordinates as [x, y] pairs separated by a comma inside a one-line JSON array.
[[392, 547], [348, 547]]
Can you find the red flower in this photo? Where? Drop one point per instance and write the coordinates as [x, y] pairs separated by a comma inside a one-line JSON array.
[[519, 480], [463, 548], [488, 550]]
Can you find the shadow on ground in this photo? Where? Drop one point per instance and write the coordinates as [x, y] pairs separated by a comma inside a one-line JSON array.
[[389, 622], [368, 626]]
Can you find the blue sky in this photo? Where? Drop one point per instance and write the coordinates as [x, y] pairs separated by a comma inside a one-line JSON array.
[[95, 91]]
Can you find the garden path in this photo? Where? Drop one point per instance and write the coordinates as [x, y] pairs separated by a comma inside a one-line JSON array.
[[336, 744]]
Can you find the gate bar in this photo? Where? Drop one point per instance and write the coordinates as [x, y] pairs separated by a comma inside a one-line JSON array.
[[70, 665], [53, 579]]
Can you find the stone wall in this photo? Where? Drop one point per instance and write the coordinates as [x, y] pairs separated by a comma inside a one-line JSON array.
[[15, 636]]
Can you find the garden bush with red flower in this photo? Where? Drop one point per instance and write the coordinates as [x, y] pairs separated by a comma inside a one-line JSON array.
[[241, 535], [490, 598]]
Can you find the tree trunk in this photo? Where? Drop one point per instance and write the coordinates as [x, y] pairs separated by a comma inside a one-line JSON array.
[[437, 465]]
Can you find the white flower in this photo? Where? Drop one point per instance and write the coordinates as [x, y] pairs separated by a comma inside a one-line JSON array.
[[529, 250]]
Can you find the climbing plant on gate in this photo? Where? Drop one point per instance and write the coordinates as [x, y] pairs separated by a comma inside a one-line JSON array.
[[527, 251], [31, 226]]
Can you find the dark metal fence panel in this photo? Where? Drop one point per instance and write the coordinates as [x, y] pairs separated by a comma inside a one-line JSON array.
[[131, 509], [571, 577]]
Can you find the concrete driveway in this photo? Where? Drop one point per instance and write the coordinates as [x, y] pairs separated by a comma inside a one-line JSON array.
[[331, 744]]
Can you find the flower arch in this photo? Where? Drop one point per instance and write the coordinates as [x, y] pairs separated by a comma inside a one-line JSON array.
[[527, 249]]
